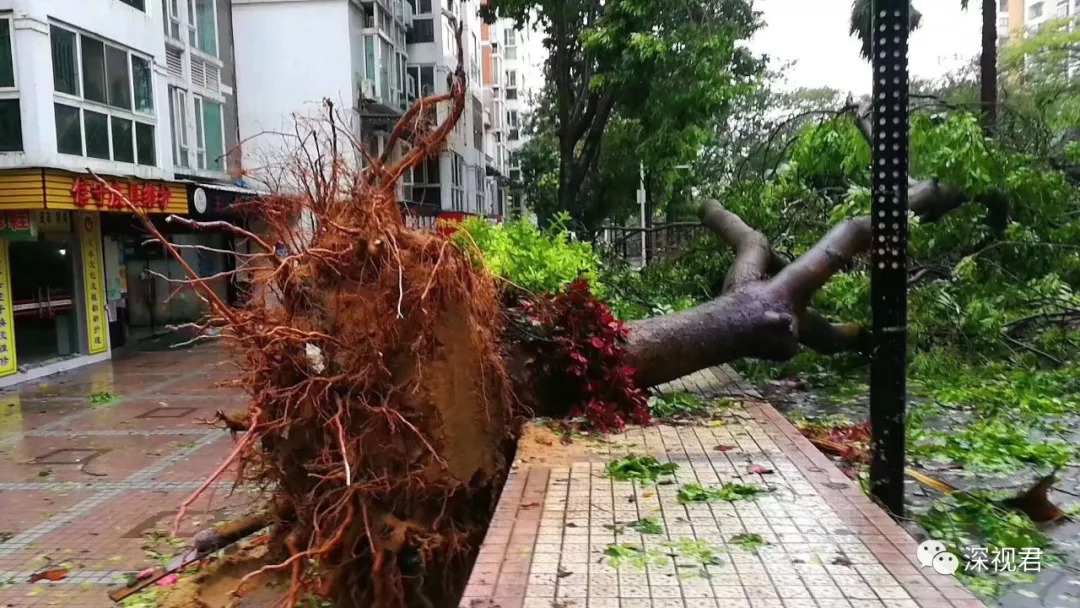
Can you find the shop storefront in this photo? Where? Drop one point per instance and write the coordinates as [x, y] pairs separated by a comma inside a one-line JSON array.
[[57, 282], [153, 298]]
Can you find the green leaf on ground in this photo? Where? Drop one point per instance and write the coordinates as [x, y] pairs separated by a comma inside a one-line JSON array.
[[749, 541], [104, 398], [633, 555], [643, 468], [730, 492], [646, 526]]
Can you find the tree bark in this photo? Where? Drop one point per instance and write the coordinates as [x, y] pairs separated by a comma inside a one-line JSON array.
[[764, 311]]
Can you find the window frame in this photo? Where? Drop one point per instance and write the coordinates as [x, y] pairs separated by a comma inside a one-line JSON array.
[[178, 127], [169, 19], [10, 19], [202, 160], [194, 35], [412, 35], [83, 105], [457, 190], [11, 93], [131, 3]]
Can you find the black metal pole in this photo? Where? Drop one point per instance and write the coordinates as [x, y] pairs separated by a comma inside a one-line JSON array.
[[888, 256]]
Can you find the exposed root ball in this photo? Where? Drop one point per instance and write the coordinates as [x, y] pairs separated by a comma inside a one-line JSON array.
[[381, 411]]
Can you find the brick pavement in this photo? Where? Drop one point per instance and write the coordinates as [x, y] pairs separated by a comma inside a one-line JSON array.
[[90, 489], [828, 546]]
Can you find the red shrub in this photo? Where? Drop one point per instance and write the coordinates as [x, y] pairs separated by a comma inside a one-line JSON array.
[[580, 358]]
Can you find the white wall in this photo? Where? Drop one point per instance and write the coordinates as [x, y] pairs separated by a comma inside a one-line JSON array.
[[289, 56], [108, 19]]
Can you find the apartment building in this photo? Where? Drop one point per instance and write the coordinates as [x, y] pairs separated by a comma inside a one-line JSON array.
[[512, 74], [1016, 16], [136, 92], [373, 58]]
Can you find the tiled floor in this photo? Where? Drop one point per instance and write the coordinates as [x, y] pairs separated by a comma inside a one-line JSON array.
[[828, 546], [89, 489]]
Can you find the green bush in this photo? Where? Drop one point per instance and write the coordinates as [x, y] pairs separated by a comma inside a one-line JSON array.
[[532, 259]]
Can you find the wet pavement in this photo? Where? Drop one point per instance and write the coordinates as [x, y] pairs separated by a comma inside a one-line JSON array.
[[563, 535], [1056, 586], [88, 490]]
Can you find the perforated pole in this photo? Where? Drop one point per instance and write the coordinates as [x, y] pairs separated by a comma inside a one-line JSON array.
[[888, 256]]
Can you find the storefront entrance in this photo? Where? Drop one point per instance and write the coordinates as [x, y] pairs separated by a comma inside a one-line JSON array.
[[43, 295]]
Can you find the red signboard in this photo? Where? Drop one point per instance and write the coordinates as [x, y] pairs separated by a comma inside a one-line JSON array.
[[87, 191]]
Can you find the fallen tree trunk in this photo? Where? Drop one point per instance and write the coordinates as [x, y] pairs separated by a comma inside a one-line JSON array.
[[764, 310]]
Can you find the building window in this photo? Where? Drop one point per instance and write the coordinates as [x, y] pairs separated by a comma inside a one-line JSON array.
[[1003, 5], [202, 26], [457, 173], [10, 114], [7, 57], [136, 4], [423, 183], [510, 44], [104, 99], [10, 126], [209, 135], [423, 31], [424, 76], [64, 61], [68, 130], [170, 11], [423, 6], [511, 84], [449, 39], [478, 124], [369, 57], [97, 134], [1035, 11], [178, 125]]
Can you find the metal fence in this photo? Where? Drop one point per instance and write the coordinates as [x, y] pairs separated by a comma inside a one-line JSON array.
[[660, 242]]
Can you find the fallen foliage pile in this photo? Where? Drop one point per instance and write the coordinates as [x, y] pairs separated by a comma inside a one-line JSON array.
[[575, 350]]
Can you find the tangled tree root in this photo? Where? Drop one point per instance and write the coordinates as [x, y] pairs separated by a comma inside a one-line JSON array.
[[381, 409]]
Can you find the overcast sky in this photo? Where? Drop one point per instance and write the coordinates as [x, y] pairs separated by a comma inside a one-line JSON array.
[[814, 34]]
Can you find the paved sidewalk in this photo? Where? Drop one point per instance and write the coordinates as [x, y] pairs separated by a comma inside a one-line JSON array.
[[828, 546], [89, 490]]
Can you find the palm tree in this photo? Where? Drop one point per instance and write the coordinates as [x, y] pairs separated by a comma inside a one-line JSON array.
[[861, 27]]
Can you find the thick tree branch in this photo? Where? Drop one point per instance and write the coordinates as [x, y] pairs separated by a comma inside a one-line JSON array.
[[580, 165], [818, 333], [752, 250], [764, 318]]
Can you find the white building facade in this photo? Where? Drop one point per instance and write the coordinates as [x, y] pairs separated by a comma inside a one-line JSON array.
[[513, 74], [1015, 16], [89, 88], [373, 58]]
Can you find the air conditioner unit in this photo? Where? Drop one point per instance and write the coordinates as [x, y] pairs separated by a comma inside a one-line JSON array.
[[367, 89]]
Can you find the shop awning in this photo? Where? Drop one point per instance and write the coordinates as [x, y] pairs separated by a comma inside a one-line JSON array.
[[56, 190]]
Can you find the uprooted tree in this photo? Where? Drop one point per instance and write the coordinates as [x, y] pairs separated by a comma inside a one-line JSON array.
[[386, 387]]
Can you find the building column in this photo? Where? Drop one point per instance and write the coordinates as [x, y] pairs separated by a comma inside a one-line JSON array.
[[97, 332], [8, 363]]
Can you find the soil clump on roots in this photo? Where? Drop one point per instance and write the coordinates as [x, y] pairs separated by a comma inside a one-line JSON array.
[[382, 418]]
